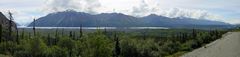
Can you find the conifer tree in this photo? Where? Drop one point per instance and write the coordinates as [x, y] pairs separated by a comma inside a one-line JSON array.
[[62, 32], [1, 33], [144, 34], [56, 33], [80, 32], [49, 40], [34, 31], [70, 34], [17, 37], [29, 34], [194, 33], [117, 47], [105, 31], [22, 34], [73, 35], [10, 26]]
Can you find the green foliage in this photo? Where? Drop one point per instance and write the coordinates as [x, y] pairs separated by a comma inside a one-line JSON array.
[[117, 46], [55, 51], [149, 43], [7, 47], [97, 45]]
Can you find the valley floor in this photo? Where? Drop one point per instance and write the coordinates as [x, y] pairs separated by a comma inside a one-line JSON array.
[[228, 46]]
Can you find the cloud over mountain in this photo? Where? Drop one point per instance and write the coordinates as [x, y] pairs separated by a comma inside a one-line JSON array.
[[89, 6], [220, 10], [143, 8], [72, 18]]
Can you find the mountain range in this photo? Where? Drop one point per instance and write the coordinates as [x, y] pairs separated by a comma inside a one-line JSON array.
[[72, 18]]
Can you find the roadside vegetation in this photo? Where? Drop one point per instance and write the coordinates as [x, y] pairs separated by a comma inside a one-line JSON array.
[[104, 43]]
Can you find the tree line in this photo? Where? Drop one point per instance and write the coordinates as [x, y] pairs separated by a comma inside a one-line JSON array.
[[103, 43], [153, 43]]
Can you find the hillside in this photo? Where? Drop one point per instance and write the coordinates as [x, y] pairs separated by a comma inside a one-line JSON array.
[[5, 21], [75, 19]]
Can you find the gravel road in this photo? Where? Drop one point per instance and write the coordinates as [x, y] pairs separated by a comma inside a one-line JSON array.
[[228, 46]]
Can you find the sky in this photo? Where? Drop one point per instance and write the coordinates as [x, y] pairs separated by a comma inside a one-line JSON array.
[[24, 11]]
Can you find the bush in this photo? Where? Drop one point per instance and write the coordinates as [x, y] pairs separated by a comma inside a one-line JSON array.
[[152, 43]]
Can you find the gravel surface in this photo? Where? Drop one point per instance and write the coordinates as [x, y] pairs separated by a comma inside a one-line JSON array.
[[228, 46]]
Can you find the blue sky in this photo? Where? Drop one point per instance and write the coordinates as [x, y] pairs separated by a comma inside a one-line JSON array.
[[219, 10]]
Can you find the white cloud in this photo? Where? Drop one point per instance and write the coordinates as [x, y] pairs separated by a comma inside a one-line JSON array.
[[130, 7], [19, 16], [233, 21], [23, 10], [89, 6], [199, 9], [147, 7]]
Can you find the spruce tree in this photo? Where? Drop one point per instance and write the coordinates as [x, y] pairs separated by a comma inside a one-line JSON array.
[[70, 34], [62, 32], [10, 26], [194, 33], [73, 35], [56, 33], [80, 32], [22, 34], [29, 34], [1, 33], [144, 34], [17, 37], [117, 47], [34, 31], [49, 40]]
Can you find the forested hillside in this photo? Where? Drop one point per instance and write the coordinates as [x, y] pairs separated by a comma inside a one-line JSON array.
[[105, 43], [7, 27], [5, 22]]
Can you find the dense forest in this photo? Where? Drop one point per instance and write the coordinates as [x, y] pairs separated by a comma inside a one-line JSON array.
[[104, 43], [101, 43]]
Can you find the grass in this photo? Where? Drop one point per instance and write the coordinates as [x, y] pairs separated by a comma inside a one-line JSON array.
[[178, 54], [1, 55]]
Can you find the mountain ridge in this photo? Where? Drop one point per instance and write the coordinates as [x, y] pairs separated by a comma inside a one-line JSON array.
[[77, 19], [4, 21]]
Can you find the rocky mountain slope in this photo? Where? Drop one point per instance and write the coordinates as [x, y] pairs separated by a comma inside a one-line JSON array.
[[77, 19]]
